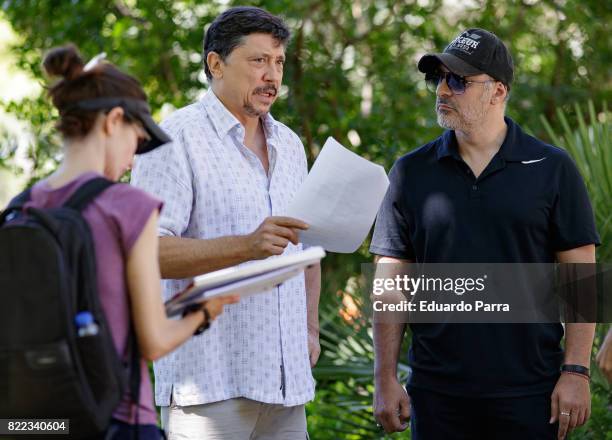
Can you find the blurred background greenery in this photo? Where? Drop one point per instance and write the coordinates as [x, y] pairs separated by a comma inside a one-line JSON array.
[[351, 74]]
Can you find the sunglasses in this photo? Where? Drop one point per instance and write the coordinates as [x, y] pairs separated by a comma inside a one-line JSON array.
[[457, 84], [143, 137]]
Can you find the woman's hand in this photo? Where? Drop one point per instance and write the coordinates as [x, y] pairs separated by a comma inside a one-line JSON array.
[[214, 306]]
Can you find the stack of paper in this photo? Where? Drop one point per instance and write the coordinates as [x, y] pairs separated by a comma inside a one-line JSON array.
[[244, 280]]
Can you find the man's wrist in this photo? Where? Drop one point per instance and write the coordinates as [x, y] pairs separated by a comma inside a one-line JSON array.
[[313, 329], [575, 369], [244, 248], [577, 375], [385, 375]]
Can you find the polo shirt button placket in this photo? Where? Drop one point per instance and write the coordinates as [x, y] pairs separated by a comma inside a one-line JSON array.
[[475, 193]]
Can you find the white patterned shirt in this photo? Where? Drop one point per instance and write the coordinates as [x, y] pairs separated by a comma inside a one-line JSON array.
[[212, 186]]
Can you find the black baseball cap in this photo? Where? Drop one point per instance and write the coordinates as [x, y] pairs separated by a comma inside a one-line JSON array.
[[137, 109], [473, 52]]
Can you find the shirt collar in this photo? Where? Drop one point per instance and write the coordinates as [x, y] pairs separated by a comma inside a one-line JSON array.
[[224, 121], [447, 146], [270, 126], [516, 145]]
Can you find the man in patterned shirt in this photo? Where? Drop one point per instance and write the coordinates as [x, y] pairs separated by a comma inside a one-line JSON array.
[[226, 180]]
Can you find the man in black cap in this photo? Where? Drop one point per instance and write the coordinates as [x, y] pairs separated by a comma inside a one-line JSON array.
[[483, 192]]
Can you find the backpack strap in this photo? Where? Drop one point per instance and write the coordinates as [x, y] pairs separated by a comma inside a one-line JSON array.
[[87, 192], [16, 204], [133, 360], [78, 201]]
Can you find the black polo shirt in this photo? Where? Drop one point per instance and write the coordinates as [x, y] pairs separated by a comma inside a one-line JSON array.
[[528, 203]]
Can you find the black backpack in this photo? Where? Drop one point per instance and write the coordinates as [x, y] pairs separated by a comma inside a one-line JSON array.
[[47, 276]]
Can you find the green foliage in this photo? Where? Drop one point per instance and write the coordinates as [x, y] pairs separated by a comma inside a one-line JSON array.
[[44, 154], [600, 423], [586, 134], [343, 404], [589, 141], [351, 64]]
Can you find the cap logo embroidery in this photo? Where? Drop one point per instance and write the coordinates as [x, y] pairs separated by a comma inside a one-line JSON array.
[[466, 43]]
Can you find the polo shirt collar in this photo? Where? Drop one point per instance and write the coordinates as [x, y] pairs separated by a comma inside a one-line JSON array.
[[517, 145], [224, 121], [514, 148], [447, 147]]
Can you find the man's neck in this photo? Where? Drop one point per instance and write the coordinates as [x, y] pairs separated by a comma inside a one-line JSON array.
[[482, 140], [251, 124], [255, 140]]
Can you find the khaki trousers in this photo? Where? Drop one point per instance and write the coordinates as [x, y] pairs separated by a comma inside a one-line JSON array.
[[234, 419]]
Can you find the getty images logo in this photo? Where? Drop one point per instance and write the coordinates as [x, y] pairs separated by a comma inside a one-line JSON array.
[[466, 42]]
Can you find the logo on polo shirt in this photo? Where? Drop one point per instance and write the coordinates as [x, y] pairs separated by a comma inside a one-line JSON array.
[[466, 42], [532, 161]]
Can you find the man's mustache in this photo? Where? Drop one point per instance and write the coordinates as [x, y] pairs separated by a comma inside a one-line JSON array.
[[266, 89], [445, 102]]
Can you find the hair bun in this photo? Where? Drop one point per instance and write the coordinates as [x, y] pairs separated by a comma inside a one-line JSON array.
[[64, 61]]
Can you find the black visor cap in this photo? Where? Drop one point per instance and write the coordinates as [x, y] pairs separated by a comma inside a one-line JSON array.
[[135, 108]]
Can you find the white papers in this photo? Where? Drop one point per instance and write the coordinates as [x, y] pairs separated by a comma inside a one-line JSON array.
[[256, 277], [339, 199], [256, 283]]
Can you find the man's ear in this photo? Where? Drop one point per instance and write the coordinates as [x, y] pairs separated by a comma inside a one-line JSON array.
[[113, 120], [499, 94], [215, 65]]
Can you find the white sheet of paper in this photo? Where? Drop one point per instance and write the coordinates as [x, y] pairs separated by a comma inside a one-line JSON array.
[[339, 199]]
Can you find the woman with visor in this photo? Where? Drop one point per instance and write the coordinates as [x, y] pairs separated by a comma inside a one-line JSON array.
[[104, 120]]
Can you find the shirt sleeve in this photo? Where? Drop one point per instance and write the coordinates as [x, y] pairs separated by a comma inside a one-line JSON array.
[[130, 209], [572, 220], [392, 232], [165, 172]]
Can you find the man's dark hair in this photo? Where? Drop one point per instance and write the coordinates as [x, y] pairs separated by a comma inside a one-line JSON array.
[[228, 30]]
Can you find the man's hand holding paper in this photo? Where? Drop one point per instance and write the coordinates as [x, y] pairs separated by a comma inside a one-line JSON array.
[[273, 235]]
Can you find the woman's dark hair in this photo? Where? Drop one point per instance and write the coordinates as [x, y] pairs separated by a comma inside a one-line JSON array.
[[229, 28], [102, 80]]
